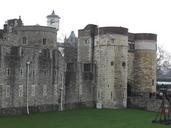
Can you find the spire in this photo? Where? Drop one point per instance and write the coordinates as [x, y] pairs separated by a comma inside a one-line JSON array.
[[53, 12], [65, 39], [53, 15]]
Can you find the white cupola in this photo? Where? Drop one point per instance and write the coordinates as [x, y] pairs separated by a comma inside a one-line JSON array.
[[53, 20]]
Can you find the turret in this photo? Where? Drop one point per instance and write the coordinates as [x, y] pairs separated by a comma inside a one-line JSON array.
[[53, 20], [111, 46], [145, 63]]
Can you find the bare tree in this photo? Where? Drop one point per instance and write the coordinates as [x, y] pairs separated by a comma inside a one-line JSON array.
[[163, 60]]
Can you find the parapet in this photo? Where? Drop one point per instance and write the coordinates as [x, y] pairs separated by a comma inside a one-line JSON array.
[[145, 36], [36, 28], [113, 30], [141, 36], [90, 29]]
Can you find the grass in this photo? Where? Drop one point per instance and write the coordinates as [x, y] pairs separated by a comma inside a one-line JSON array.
[[84, 118]]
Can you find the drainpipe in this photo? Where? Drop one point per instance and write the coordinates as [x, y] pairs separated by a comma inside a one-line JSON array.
[[27, 83], [61, 89]]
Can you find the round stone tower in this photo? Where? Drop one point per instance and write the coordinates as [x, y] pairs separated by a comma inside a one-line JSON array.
[[145, 63], [111, 48]]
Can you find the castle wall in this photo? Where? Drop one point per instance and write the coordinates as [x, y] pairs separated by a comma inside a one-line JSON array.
[[86, 67], [41, 77], [84, 47], [46, 71], [131, 69], [34, 36]]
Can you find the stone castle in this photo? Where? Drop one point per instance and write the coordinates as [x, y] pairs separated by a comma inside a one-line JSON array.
[[100, 68]]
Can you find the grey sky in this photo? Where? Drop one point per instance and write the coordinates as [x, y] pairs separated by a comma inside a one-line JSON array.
[[151, 16]]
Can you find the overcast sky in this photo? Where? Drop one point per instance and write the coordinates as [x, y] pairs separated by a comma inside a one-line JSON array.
[[148, 16]]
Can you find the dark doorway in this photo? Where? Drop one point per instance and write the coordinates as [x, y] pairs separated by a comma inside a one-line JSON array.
[[128, 89]]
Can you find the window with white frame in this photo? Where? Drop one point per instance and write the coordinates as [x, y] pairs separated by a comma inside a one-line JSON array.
[[44, 90], [33, 90], [20, 91], [55, 90], [7, 91]]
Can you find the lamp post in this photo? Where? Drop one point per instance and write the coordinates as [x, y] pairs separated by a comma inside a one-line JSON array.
[[61, 90], [27, 83]]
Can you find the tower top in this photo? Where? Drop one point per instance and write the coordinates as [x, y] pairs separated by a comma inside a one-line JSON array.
[[53, 20], [53, 15]]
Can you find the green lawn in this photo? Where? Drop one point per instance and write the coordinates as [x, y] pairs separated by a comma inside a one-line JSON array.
[[84, 118]]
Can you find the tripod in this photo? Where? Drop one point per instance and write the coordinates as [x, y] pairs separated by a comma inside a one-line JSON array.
[[163, 115]]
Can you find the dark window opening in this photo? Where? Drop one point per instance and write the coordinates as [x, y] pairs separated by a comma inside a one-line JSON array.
[[21, 72], [111, 63], [33, 72], [44, 41], [123, 64], [128, 89], [86, 41], [24, 40], [131, 46], [45, 73], [152, 82], [87, 67]]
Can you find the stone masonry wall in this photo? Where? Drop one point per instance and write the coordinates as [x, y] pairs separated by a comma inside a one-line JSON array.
[[131, 68], [86, 79], [46, 70], [144, 103], [111, 58], [44, 84], [145, 69]]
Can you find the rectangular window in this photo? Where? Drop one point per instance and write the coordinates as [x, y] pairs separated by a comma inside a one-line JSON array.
[[7, 91], [33, 90], [20, 90], [44, 41], [55, 90], [44, 90], [24, 40], [87, 67]]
